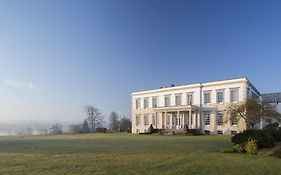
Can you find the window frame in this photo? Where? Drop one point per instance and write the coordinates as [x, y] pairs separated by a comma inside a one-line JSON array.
[[231, 99], [146, 102], [178, 102], [220, 120], [207, 93], [189, 101], [220, 99]]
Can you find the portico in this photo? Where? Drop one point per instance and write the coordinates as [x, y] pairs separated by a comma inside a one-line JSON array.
[[177, 117]]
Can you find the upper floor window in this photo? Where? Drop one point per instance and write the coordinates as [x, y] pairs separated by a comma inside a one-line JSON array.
[[220, 118], [207, 118], [207, 97], [137, 120], [145, 102], [154, 102], [178, 99], [234, 95], [189, 99], [220, 97], [167, 100], [145, 120], [138, 100]]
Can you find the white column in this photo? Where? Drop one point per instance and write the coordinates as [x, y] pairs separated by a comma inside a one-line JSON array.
[[165, 118], [189, 125]]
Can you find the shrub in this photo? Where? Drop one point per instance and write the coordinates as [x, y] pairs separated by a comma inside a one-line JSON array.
[[101, 130], [274, 131], [238, 148], [262, 137], [193, 132], [276, 152], [251, 146]]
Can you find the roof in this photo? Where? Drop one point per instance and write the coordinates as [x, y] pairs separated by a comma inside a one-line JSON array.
[[194, 85]]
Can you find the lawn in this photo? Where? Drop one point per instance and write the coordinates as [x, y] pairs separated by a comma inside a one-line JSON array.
[[127, 154]]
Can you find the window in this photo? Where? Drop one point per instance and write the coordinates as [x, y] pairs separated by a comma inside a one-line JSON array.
[[154, 119], [207, 132], [137, 120], [138, 103], [145, 102], [220, 132], [220, 118], [207, 97], [220, 97], [167, 100], [145, 120], [234, 95], [233, 132], [189, 98], [154, 102], [207, 118], [168, 120], [137, 130], [234, 120], [191, 119], [268, 120], [178, 99]]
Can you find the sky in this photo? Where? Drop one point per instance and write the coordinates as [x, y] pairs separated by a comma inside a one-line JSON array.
[[58, 56]]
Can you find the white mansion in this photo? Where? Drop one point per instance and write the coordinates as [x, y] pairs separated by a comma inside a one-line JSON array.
[[198, 106]]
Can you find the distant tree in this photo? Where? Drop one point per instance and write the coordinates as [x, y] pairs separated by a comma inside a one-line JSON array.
[[94, 117], [85, 127], [114, 122], [29, 131], [75, 128], [252, 111], [56, 129], [125, 124]]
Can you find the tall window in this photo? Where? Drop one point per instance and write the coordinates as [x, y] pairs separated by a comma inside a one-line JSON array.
[[138, 100], [207, 118], [207, 97], [220, 97], [145, 120], [234, 95], [137, 120], [154, 119], [220, 118], [145, 102], [189, 99], [178, 99], [167, 100], [154, 102], [168, 120]]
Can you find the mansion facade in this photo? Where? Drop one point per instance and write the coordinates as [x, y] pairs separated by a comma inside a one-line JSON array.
[[196, 106]]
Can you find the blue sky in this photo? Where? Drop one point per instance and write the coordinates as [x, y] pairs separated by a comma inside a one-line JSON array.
[[57, 56]]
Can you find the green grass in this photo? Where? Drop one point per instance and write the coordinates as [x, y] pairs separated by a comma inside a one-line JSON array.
[[127, 154]]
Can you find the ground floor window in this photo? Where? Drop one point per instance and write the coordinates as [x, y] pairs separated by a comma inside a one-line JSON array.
[[207, 119], [154, 119], [233, 132], [145, 120], [220, 132], [137, 130], [207, 132]]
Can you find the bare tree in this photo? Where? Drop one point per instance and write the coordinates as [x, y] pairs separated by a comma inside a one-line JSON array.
[[114, 123], [252, 112], [94, 117], [56, 129]]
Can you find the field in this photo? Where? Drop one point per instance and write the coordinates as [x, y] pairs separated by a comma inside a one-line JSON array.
[[127, 154]]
